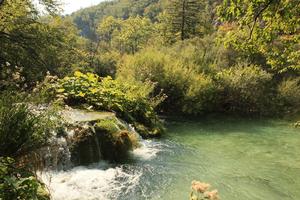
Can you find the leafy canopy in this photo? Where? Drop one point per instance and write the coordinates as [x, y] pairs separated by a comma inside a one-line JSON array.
[[267, 27]]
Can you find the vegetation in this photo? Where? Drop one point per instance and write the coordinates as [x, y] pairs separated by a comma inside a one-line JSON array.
[[132, 103], [140, 59], [268, 28], [245, 89], [34, 43], [187, 90], [184, 17], [19, 183], [21, 130], [104, 139]]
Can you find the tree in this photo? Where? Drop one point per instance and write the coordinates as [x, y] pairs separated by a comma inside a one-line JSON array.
[[184, 17], [134, 34], [107, 28], [267, 27], [36, 44], [128, 36]]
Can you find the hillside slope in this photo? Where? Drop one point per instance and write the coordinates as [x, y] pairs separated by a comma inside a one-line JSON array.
[[86, 19]]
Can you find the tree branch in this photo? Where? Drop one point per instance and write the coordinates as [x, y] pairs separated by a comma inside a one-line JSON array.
[[257, 16]]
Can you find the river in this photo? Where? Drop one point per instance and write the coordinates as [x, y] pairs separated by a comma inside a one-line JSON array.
[[243, 159]]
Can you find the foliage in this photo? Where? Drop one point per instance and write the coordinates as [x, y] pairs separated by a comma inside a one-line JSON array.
[[131, 102], [87, 19], [297, 124], [43, 92], [19, 183], [21, 130], [188, 89], [128, 35], [184, 17], [107, 28], [244, 89], [36, 44], [267, 27], [11, 78], [289, 94], [106, 64]]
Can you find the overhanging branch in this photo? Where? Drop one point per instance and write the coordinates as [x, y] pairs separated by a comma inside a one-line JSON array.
[[257, 16]]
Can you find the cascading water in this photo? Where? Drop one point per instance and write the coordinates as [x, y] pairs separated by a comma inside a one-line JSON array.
[[98, 181], [102, 180]]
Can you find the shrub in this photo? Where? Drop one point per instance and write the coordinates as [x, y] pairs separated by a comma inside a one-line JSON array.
[[188, 89], [131, 102], [21, 131], [203, 54], [19, 183], [201, 95], [106, 64], [244, 89], [289, 94]]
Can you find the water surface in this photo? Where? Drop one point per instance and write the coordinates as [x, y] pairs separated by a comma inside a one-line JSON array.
[[243, 159]]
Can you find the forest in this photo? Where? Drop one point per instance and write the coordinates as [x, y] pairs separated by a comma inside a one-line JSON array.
[[126, 70]]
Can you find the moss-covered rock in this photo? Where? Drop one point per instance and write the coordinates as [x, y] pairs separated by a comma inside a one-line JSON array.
[[146, 132], [115, 140], [85, 148], [106, 139]]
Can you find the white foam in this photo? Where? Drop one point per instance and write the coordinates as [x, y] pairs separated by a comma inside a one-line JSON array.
[[90, 183], [148, 150], [101, 181]]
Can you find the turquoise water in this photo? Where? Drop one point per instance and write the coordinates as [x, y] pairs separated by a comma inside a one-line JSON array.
[[243, 159]]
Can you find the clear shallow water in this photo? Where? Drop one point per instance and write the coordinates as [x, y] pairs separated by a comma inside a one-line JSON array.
[[243, 159]]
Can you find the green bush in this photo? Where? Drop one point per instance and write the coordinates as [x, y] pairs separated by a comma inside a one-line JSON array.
[[106, 64], [244, 89], [289, 94], [19, 183], [188, 89], [21, 131], [131, 102]]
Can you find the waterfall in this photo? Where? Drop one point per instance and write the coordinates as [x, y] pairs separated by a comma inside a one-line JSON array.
[[100, 180]]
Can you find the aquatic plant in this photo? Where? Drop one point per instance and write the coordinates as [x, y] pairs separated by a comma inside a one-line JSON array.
[[200, 191]]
